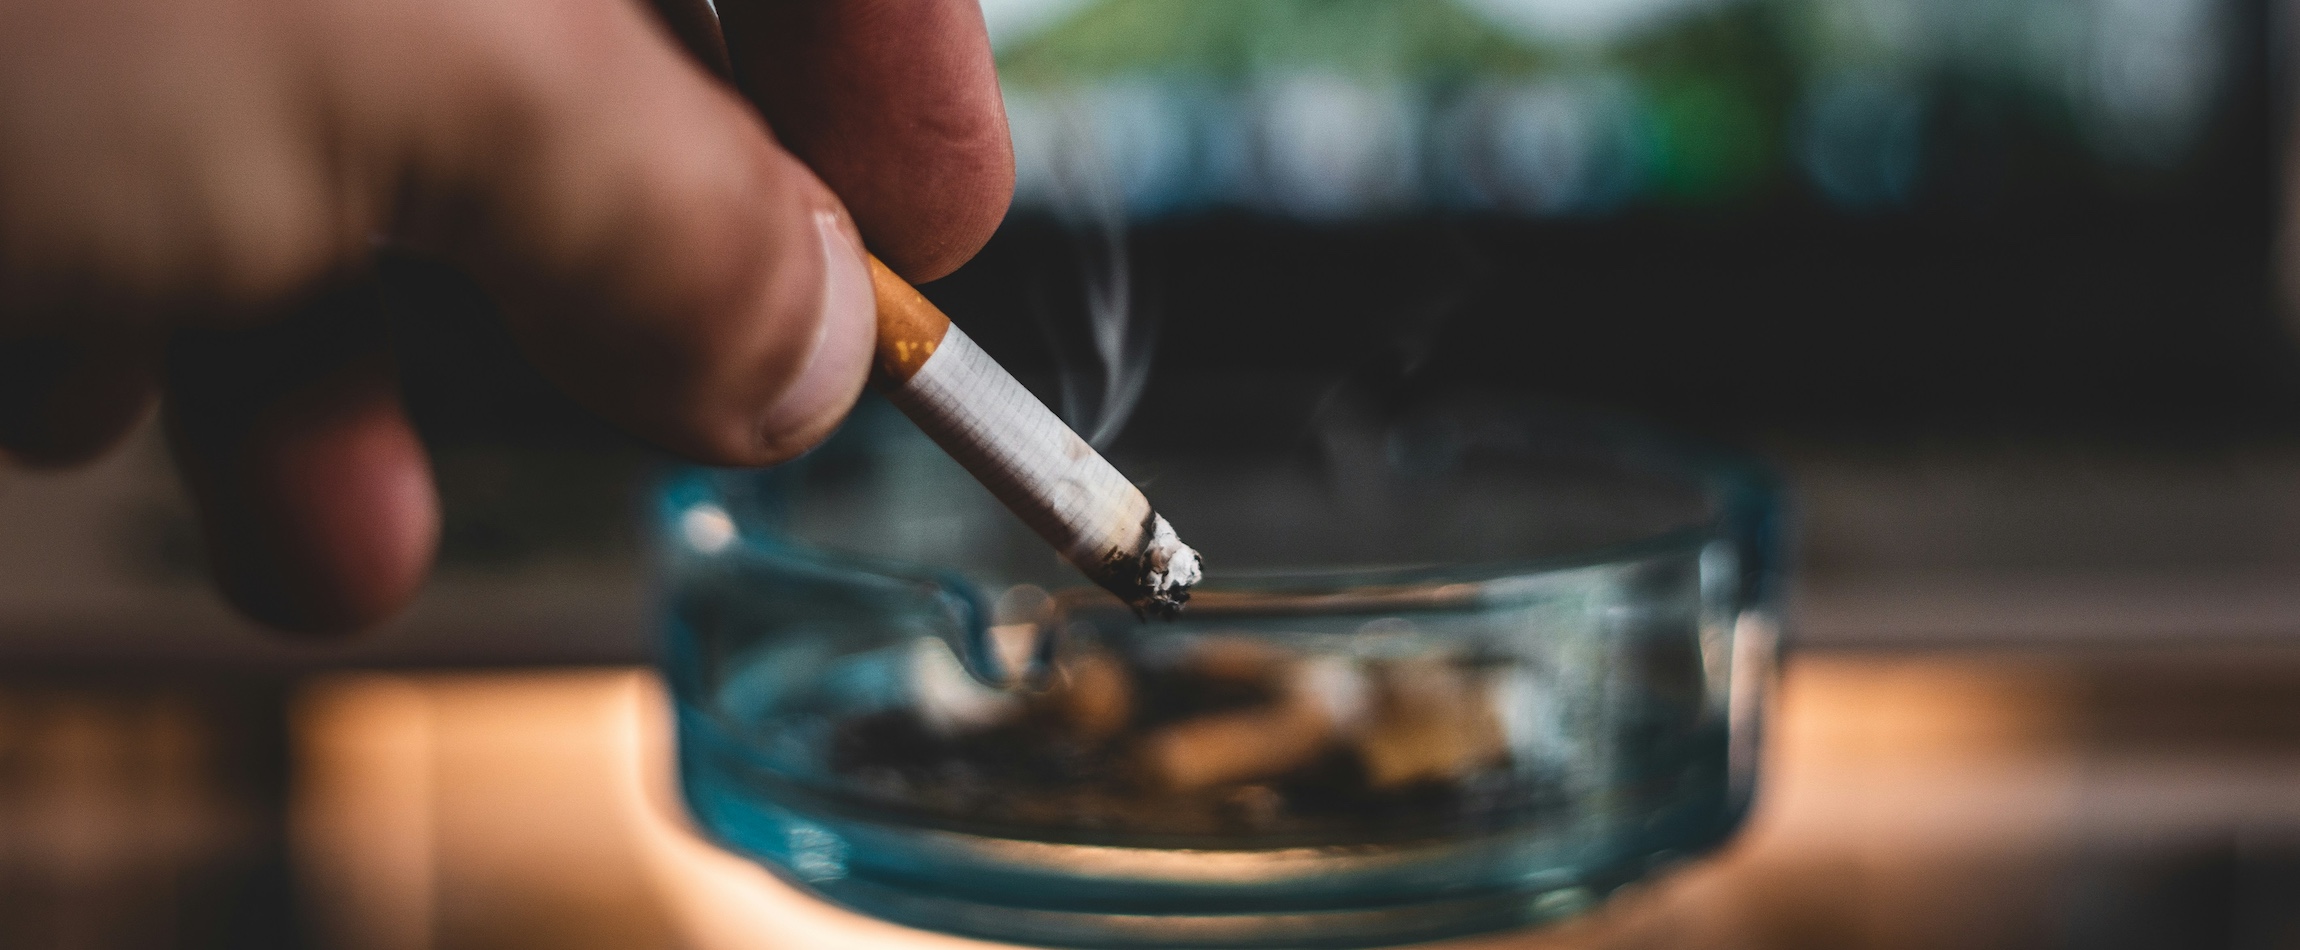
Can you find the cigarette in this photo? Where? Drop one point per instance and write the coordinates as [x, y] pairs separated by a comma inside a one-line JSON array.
[[1437, 723], [1319, 702], [1234, 748], [1021, 451]]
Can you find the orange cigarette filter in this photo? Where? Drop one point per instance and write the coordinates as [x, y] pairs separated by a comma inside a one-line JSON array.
[[1020, 450]]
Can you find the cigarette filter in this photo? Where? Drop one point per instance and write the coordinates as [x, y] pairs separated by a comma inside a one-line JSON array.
[[1025, 455]]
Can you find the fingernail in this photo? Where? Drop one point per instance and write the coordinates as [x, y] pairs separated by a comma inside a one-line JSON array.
[[833, 374]]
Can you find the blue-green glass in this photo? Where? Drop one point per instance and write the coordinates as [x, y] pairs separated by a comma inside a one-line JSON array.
[[1456, 668]]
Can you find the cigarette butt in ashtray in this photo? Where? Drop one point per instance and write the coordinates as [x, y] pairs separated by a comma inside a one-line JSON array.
[[1095, 699], [1316, 703], [1025, 455], [1435, 722], [1408, 721], [1236, 747]]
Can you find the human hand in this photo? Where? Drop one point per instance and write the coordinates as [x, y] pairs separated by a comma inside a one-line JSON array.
[[187, 185]]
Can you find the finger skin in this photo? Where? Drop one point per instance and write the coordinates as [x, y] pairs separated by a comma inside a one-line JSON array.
[[204, 167], [657, 254], [163, 162], [314, 491], [208, 163], [895, 103]]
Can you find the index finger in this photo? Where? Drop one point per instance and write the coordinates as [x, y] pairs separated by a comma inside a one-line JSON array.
[[895, 105]]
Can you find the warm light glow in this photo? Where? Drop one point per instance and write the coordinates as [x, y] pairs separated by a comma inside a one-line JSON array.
[[536, 810]]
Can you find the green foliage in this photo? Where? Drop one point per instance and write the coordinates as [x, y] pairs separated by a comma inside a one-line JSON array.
[[1709, 138], [1717, 90], [1231, 39]]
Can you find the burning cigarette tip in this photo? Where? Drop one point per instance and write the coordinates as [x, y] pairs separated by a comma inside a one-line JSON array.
[[1168, 569], [1020, 450]]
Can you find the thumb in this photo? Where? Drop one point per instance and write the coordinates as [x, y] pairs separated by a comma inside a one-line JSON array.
[[656, 253]]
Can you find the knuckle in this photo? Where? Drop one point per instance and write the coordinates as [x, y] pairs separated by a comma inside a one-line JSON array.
[[273, 242], [218, 238]]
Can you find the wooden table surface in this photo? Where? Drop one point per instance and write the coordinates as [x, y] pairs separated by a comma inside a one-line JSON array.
[[1968, 799]]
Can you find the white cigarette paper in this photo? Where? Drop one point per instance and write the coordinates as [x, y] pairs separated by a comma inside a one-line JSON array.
[[1037, 466]]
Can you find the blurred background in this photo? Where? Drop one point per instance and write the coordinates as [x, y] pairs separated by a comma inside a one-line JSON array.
[[1996, 283]]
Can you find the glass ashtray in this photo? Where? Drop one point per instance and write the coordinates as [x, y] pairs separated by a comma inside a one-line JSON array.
[[1458, 665]]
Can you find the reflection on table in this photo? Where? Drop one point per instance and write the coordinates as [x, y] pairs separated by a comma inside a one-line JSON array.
[[1972, 800]]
